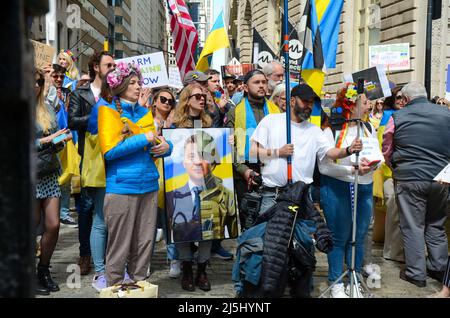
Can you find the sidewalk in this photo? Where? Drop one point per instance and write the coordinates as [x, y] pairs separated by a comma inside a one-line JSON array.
[[66, 254]]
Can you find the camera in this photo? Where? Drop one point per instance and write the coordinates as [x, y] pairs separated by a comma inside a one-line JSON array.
[[337, 119], [250, 207]]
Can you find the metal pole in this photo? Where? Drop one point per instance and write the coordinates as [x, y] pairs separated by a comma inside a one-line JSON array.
[[428, 43], [288, 87]]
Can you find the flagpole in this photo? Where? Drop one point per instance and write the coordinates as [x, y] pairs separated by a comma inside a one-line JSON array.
[[288, 86]]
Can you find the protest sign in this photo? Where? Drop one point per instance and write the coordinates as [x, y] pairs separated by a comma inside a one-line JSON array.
[[43, 54], [237, 70], [395, 57], [447, 90], [175, 77], [153, 68], [376, 84], [444, 175]]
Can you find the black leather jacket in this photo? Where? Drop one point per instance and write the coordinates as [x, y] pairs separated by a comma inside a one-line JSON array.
[[81, 103], [47, 162]]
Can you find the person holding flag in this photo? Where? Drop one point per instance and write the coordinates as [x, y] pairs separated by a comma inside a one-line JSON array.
[[129, 144]]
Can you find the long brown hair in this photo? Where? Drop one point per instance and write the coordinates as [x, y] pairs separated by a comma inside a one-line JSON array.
[[44, 117], [182, 119]]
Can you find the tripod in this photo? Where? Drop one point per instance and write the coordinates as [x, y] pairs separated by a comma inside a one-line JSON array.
[[354, 276]]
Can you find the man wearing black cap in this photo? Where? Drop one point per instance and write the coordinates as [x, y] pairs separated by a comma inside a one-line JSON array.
[[228, 81], [308, 145], [244, 119]]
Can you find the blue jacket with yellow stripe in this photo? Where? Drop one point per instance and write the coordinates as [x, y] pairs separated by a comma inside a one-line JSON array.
[[130, 168]]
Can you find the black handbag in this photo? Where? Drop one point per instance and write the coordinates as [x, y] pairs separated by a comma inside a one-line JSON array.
[[186, 231], [47, 162]]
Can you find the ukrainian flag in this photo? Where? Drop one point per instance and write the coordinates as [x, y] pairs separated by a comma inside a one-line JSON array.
[[93, 169], [321, 40], [217, 39]]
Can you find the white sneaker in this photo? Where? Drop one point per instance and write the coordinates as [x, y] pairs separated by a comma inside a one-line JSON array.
[[159, 235], [99, 282], [355, 294], [175, 269], [338, 291]]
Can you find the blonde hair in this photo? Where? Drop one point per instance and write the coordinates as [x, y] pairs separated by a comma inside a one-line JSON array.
[[182, 111], [72, 70], [44, 117]]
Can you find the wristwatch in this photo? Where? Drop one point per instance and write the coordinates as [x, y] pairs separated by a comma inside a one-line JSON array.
[[347, 150]]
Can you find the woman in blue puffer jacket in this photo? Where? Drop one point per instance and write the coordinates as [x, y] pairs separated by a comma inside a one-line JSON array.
[[129, 144]]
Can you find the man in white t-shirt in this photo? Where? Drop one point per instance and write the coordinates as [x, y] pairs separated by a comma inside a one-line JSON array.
[[308, 145]]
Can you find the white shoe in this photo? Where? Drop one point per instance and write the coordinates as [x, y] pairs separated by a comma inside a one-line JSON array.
[[99, 282], [159, 235], [355, 294], [175, 269], [338, 291]]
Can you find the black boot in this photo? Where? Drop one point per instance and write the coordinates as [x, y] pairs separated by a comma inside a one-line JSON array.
[[187, 278], [45, 279], [202, 279], [40, 289]]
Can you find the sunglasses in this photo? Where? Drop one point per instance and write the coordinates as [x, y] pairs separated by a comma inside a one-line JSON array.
[[399, 97], [165, 100], [198, 96], [40, 82], [110, 65], [61, 77]]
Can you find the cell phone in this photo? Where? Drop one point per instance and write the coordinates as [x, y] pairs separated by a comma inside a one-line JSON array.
[[59, 139], [374, 163]]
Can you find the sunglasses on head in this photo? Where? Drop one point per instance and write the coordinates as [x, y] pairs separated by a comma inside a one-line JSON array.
[[399, 97], [198, 96], [58, 76], [165, 100]]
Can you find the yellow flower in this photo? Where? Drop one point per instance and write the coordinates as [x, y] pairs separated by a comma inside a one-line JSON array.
[[351, 93]]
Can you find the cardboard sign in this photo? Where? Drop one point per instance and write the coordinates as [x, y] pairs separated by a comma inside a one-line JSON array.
[[376, 84], [395, 57], [371, 150], [153, 68], [43, 54]]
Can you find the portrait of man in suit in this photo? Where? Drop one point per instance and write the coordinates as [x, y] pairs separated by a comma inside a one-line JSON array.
[[203, 208]]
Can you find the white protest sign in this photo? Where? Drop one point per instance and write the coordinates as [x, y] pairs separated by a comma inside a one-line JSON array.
[[153, 68], [395, 57], [175, 77], [371, 150], [444, 175]]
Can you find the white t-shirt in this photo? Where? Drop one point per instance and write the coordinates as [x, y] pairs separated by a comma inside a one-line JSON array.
[[343, 169], [309, 144], [96, 92]]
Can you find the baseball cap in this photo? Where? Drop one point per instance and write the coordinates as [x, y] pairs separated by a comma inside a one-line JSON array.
[[240, 78], [304, 91], [227, 76], [195, 76]]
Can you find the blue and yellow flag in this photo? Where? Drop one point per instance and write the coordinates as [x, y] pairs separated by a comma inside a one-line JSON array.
[[217, 39], [93, 171], [320, 40]]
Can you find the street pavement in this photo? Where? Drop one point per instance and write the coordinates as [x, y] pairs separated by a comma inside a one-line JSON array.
[[219, 272]]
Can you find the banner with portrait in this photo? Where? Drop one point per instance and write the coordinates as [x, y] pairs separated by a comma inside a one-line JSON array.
[[199, 188]]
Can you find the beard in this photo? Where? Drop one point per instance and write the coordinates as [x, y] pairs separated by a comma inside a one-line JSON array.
[[302, 113], [272, 84]]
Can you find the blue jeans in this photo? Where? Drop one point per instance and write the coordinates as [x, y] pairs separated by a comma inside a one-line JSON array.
[[336, 202], [268, 201], [99, 234], [85, 222], [64, 212]]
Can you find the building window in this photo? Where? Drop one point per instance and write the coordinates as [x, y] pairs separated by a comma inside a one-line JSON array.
[[118, 54], [368, 29]]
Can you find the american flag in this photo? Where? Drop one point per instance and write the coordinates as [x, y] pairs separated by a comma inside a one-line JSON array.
[[185, 36]]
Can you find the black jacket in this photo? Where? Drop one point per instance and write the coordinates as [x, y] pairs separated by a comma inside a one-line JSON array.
[[280, 221], [47, 162], [81, 103]]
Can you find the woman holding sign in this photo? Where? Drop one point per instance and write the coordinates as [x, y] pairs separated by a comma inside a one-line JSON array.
[[129, 144], [337, 182]]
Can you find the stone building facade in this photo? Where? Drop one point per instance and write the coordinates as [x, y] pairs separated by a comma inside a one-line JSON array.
[[363, 23]]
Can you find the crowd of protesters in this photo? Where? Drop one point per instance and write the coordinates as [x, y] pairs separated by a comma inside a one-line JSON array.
[[116, 128]]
